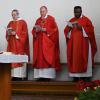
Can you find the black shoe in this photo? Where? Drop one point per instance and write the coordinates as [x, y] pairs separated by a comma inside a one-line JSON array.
[[18, 79], [86, 79], [44, 80], [47, 80], [76, 79]]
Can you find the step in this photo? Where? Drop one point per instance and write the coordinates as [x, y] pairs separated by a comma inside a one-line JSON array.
[[44, 88]]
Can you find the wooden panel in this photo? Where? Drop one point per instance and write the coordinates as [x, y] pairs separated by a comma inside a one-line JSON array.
[[5, 82], [46, 88]]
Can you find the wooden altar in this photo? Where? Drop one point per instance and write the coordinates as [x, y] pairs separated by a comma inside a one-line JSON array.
[[5, 73]]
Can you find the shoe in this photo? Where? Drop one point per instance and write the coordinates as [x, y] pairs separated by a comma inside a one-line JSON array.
[[44, 80], [18, 79]]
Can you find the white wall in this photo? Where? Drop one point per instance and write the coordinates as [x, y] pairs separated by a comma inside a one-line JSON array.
[[62, 10]]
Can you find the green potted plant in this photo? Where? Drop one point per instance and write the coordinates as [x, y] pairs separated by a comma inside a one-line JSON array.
[[88, 90]]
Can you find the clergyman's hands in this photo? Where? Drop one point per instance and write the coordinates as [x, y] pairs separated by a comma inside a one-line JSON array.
[[13, 33], [43, 30], [79, 27], [37, 28]]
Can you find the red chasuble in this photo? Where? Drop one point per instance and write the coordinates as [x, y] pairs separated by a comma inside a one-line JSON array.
[[78, 45], [19, 43], [46, 44]]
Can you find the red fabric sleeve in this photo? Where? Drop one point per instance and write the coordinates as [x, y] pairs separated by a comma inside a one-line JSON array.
[[90, 32]]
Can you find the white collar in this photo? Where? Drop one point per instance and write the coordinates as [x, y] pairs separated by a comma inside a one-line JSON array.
[[81, 16], [18, 19], [45, 16]]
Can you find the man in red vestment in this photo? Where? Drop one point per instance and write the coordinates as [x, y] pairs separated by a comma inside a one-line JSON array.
[[81, 45], [18, 43], [45, 47]]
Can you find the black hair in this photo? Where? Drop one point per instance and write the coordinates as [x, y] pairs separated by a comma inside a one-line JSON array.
[[78, 7], [15, 10]]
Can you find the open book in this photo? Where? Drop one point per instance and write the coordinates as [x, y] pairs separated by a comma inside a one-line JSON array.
[[37, 27], [71, 24], [9, 30]]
